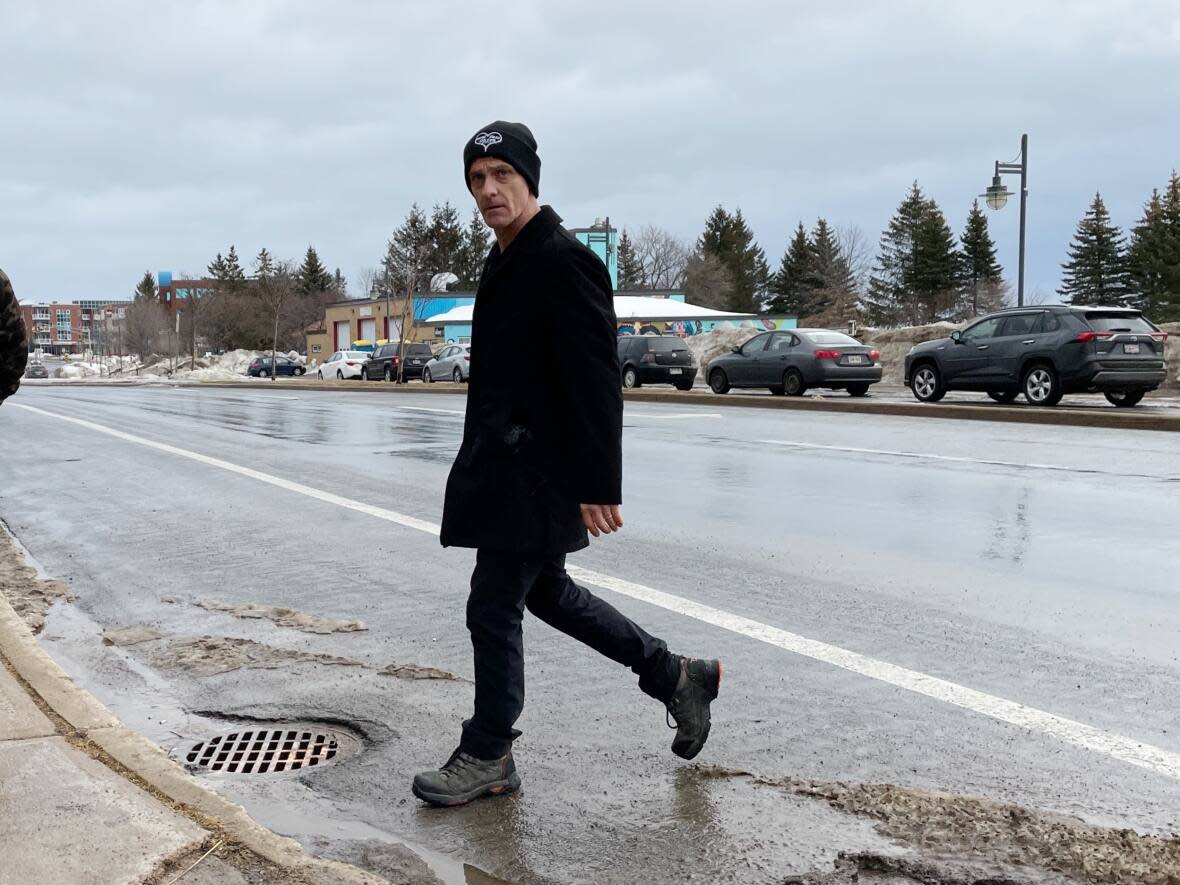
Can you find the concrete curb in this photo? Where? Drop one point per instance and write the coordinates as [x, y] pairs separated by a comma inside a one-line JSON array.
[[1118, 419], [92, 721]]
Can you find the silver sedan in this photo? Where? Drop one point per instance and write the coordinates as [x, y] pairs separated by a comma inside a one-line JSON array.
[[453, 363]]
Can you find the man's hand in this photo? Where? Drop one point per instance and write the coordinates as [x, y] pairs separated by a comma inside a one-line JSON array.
[[602, 518]]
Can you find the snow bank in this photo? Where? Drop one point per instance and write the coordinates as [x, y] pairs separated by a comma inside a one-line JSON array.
[[710, 345], [1172, 354]]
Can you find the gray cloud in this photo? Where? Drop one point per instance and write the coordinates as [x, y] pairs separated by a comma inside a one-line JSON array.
[[147, 135]]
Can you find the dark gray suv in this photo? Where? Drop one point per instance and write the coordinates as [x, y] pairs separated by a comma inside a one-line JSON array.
[[1044, 353]]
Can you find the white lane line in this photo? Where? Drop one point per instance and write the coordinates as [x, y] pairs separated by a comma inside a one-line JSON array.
[[409, 522], [1079, 734], [425, 409], [630, 414], [923, 456]]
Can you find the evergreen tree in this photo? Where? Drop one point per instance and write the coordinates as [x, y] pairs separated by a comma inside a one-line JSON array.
[[631, 275], [312, 277], [888, 294], [1096, 271], [1153, 257], [982, 274], [827, 280], [217, 268], [935, 276], [404, 265], [264, 265], [729, 239], [339, 286], [445, 251], [233, 274], [146, 289], [787, 287], [476, 243]]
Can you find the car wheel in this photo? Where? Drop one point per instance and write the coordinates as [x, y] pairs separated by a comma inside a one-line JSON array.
[[321, 374], [262, 373], [388, 374], [1040, 386], [339, 374], [630, 378], [857, 389], [1003, 396], [926, 384], [427, 377], [457, 376], [364, 374], [299, 370], [793, 383], [1125, 399], [718, 383], [684, 385]]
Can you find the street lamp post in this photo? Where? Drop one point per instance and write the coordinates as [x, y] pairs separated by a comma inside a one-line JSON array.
[[997, 195]]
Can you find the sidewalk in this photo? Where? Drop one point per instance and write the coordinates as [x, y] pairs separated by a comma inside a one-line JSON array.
[[86, 801]]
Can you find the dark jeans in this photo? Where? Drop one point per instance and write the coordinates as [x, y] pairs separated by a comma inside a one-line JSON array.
[[502, 586]]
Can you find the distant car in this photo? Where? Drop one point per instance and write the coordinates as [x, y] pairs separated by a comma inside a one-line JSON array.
[[415, 357], [261, 367], [1044, 353], [453, 363], [652, 359], [792, 361], [343, 364], [382, 363], [36, 370]]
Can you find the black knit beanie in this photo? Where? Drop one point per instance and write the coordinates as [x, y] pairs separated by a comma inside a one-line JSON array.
[[511, 142]]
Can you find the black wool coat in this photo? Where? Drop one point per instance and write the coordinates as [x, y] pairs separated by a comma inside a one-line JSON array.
[[544, 424]]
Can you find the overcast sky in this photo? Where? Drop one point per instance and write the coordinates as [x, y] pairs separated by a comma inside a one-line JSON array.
[[153, 135]]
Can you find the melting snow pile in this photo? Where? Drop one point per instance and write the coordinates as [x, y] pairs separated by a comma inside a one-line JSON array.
[[710, 345], [230, 366]]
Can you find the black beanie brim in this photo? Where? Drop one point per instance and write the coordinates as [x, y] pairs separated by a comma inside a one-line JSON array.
[[511, 142]]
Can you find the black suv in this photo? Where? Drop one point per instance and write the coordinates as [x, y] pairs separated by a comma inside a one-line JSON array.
[[650, 359], [1044, 353], [383, 363]]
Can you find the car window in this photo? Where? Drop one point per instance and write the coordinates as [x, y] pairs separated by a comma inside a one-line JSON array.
[[779, 342], [419, 350], [665, 345], [1021, 324], [755, 345], [1118, 322], [1052, 323], [985, 329], [830, 338], [334, 357]]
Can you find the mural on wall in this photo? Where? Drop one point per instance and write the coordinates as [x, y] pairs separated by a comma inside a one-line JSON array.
[[686, 328]]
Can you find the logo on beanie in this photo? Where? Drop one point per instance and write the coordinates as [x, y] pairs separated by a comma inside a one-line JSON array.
[[486, 139]]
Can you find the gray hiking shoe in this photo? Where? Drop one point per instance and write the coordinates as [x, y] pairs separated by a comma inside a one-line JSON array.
[[464, 778], [696, 688]]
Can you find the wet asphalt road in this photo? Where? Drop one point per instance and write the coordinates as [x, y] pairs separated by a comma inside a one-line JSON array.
[[1036, 564]]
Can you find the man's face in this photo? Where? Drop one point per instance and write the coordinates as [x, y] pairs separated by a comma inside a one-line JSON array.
[[500, 192]]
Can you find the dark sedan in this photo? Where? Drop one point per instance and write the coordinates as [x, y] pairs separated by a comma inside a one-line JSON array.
[[262, 367], [792, 361]]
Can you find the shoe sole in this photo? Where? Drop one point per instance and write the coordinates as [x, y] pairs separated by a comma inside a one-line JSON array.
[[499, 788], [692, 751]]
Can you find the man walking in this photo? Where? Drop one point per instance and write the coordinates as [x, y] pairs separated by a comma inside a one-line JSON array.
[[540, 466], [14, 350]]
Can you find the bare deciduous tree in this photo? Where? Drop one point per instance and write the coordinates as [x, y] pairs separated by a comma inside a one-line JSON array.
[[663, 257], [275, 290]]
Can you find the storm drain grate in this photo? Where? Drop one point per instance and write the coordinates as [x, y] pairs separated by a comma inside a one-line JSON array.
[[266, 751]]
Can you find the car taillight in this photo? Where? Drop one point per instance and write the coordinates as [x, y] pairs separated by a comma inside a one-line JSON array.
[[395, 360], [349, 363], [827, 354], [874, 355], [1092, 336], [1160, 336], [648, 357], [466, 356]]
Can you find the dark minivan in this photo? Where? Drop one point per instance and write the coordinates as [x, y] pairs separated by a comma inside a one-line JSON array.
[[652, 359], [384, 361], [1044, 353]]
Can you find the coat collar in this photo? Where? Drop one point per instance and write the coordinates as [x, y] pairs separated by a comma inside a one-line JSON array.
[[534, 233]]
